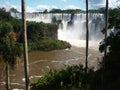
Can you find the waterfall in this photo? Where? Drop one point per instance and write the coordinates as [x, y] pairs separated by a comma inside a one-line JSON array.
[[73, 27], [76, 33]]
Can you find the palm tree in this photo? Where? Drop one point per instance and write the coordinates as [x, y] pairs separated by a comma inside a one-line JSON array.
[[26, 65], [4, 30], [87, 37], [10, 50], [106, 28]]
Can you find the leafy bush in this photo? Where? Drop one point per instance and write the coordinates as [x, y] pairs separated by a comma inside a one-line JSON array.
[[47, 44], [37, 30], [69, 78], [75, 78]]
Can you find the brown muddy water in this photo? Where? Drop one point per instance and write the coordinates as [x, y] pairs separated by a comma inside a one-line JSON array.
[[41, 62]]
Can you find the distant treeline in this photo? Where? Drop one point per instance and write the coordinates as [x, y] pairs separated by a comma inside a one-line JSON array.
[[99, 10], [66, 11]]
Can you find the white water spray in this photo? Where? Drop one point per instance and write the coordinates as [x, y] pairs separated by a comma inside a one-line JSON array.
[[76, 33]]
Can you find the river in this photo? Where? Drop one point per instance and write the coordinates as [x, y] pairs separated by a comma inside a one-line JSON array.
[[42, 61]]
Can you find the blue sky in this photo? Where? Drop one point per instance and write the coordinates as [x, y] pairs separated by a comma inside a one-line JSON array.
[[40, 5]]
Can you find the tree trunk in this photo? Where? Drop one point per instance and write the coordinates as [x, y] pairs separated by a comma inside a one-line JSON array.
[[7, 76], [106, 28], [26, 65], [87, 37]]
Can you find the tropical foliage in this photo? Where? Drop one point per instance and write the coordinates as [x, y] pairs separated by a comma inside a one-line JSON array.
[[4, 16], [36, 31], [47, 44], [8, 41], [69, 78], [10, 49]]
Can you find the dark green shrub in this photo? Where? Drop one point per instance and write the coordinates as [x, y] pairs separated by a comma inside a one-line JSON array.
[[47, 44], [69, 78]]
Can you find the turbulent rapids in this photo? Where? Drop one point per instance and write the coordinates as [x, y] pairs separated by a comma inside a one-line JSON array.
[[74, 33]]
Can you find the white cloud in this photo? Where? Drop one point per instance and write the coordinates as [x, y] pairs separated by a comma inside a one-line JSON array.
[[38, 8], [30, 9], [55, 7], [96, 3], [71, 7], [114, 3], [64, 0], [42, 7], [7, 6], [102, 3]]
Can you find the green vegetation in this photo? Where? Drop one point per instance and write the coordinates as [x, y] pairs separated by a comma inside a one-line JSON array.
[[107, 77], [111, 65], [66, 11], [4, 16], [8, 45], [47, 44], [14, 10], [69, 78], [10, 49], [36, 31], [75, 78], [99, 10], [8, 39]]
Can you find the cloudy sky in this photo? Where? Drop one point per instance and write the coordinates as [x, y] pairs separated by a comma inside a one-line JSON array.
[[40, 5]]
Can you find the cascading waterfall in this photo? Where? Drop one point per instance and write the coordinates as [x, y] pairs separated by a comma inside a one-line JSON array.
[[76, 33], [73, 27]]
